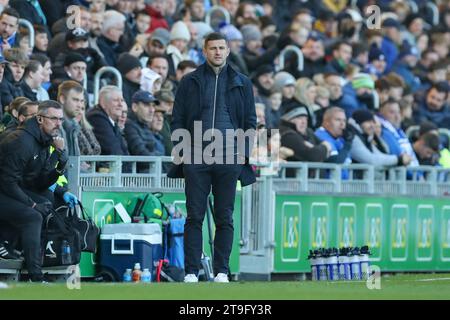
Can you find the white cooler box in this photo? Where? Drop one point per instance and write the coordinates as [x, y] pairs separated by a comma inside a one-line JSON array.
[[123, 245]]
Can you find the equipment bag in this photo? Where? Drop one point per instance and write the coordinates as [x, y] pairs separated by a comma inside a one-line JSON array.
[[174, 242], [167, 273], [61, 244], [86, 227]]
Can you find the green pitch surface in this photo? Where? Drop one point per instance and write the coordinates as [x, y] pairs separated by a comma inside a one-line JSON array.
[[423, 286]]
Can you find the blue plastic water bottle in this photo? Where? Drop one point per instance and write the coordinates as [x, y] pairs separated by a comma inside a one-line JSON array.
[[127, 276], [146, 276]]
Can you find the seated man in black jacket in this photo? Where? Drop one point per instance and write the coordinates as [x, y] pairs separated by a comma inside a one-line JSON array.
[[103, 118], [27, 170]]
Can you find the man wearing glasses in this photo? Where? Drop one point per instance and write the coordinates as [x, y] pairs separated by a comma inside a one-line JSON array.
[[27, 170]]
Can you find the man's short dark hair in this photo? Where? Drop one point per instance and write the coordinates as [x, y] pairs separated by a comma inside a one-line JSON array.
[[431, 140], [156, 56], [186, 64], [48, 104], [215, 36], [388, 102], [142, 13], [11, 12], [340, 43], [441, 87], [42, 58], [32, 66]]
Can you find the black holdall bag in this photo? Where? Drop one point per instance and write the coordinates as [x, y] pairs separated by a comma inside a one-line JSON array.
[[61, 244], [86, 227]]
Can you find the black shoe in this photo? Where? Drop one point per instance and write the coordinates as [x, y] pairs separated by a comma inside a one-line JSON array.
[[39, 279], [7, 254]]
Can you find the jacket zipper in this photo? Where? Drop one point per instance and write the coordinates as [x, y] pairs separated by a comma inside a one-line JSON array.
[[214, 105]]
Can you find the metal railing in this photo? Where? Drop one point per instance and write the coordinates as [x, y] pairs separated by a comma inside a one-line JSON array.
[[99, 74], [297, 51], [27, 24]]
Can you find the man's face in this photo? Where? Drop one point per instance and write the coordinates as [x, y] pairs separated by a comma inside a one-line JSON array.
[[37, 78], [41, 41], [134, 75], [368, 127], [113, 105], [438, 75], [301, 124], [344, 52], [96, 24], [216, 52], [154, 47], [391, 113], [288, 91], [266, 80], [313, 50], [435, 100], [17, 70], [143, 23], [336, 124], [144, 111], [424, 152], [51, 123], [47, 71], [231, 6], [396, 93], [114, 33], [198, 10], [77, 71], [161, 67], [159, 5], [8, 26], [85, 20], [305, 20], [158, 121], [335, 87], [73, 103]]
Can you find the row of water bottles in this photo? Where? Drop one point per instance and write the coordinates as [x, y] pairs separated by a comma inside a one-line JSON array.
[[137, 275], [334, 264]]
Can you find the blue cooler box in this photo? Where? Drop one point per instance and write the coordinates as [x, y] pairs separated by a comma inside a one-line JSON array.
[[123, 245]]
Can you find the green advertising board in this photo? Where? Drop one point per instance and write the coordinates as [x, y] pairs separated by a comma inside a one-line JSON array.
[[100, 206], [404, 234]]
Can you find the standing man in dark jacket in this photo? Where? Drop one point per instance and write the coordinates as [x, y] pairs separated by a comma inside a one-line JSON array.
[[214, 97], [27, 170]]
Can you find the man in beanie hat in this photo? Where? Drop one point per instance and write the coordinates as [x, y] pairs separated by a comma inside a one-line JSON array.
[[222, 100], [177, 50], [367, 146], [131, 70], [364, 87], [377, 62], [74, 69], [296, 135]]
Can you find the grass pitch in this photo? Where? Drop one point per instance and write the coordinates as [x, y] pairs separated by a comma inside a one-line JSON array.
[[422, 286]]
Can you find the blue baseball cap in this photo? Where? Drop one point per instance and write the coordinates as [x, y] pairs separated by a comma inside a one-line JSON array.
[[144, 97]]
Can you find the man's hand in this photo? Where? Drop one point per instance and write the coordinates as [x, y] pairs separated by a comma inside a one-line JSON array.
[[58, 143], [405, 159], [43, 208], [62, 160], [136, 50], [70, 199]]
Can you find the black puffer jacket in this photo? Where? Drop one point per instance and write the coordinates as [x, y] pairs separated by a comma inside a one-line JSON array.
[[26, 162], [9, 88]]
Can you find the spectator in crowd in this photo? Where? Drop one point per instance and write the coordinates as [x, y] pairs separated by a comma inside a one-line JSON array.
[[157, 43], [166, 99], [87, 141], [123, 118], [342, 54], [156, 9], [104, 116], [10, 85], [71, 97], [131, 70], [314, 57], [434, 107], [74, 69], [10, 113], [108, 42], [177, 50], [24, 111], [406, 62], [142, 24], [42, 91], [263, 82], [157, 126], [236, 42], [184, 67], [231, 6], [333, 130], [296, 135], [377, 61], [391, 41], [427, 58], [196, 9], [96, 31], [9, 25], [398, 143], [260, 110], [360, 52], [427, 149], [333, 82], [436, 73], [364, 146], [24, 194], [33, 78], [285, 83], [160, 64], [275, 104], [40, 39], [305, 94]]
